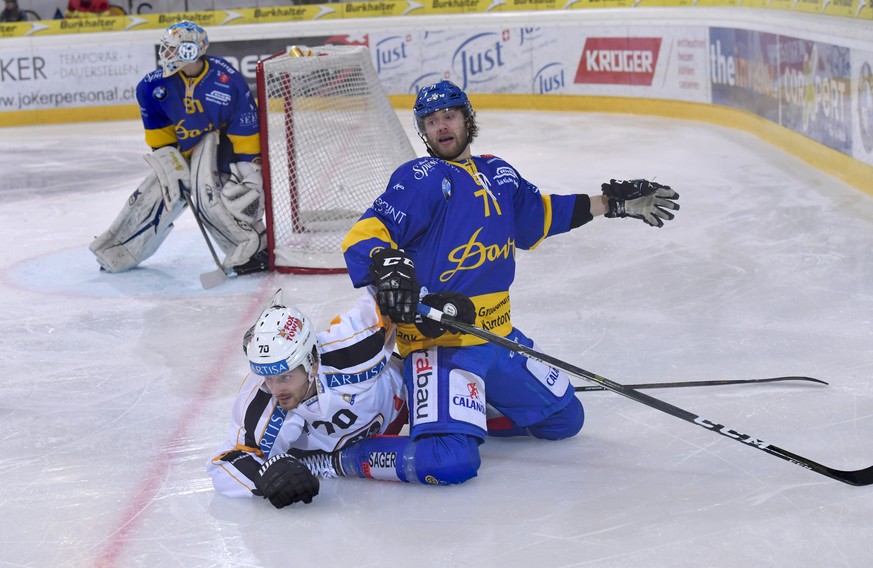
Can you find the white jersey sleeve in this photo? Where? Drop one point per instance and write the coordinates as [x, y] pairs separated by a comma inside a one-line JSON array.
[[256, 420], [356, 347]]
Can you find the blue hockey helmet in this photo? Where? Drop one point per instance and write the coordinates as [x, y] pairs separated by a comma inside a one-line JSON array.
[[440, 96], [182, 43]]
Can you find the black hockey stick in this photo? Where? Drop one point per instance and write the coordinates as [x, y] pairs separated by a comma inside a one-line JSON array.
[[712, 383], [856, 477], [207, 279]]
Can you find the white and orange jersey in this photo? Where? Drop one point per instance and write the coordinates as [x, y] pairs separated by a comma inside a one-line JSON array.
[[360, 393]]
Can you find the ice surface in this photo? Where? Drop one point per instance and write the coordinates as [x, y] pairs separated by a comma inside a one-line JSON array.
[[116, 389]]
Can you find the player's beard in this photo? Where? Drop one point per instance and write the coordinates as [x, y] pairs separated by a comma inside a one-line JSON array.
[[451, 152]]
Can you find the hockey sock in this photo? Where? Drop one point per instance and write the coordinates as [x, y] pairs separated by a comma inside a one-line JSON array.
[[390, 458], [435, 460], [503, 427]]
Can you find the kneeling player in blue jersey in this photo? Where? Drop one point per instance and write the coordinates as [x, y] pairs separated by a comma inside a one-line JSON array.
[[202, 124], [446, 230]]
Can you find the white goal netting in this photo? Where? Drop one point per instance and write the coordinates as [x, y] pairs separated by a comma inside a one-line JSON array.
[[330, 140]]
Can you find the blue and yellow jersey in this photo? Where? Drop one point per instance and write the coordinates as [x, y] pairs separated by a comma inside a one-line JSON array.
[[461, 222], [179, 110]]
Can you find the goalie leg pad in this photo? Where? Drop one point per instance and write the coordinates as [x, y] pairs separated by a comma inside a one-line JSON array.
[[238, 239], [138, 230]]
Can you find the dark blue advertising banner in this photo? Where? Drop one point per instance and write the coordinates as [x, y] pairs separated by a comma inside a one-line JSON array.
[[816, 91], [744, 71], [800, 84]]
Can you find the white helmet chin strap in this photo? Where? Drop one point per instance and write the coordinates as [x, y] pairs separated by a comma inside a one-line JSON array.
[[312, 388]]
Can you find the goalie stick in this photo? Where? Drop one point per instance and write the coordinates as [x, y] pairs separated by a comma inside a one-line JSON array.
[[855, 477], [711, 383], [207, 279]]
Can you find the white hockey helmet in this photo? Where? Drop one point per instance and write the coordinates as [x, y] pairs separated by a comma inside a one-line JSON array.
[[281, 340], [182, 43]]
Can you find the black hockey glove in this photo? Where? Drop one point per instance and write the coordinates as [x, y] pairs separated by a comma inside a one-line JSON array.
[[285, 480], [453, 304], [393, 273], [641, 199]]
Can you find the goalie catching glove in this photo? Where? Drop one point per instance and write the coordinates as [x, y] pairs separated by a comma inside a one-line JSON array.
[[640, 199], [393, 273], [284, 480], [453, 304]]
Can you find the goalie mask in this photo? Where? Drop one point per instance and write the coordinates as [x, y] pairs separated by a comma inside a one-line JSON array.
[[181, 44], [280, 341]]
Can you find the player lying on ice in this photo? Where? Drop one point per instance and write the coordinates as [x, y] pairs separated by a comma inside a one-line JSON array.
[[202, 123], [308, 392]]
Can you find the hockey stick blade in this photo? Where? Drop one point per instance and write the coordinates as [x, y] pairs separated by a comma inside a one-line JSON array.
[[713, 383], [213, 278], [856, 477], [219, 275]]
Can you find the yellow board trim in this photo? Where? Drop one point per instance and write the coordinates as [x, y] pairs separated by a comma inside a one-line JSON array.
[[113, 21], [843, 167], [64, 115]]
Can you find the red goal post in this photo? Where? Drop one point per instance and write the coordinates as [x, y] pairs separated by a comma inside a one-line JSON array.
[[330, 140]]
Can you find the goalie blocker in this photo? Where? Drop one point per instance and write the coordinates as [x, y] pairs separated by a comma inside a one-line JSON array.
[[230, 207]]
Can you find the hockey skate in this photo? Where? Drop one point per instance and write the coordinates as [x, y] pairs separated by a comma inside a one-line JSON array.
[[324, 465], [258, 263]]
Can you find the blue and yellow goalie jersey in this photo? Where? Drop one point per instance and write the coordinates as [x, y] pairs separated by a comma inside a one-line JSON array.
[[461, 223], [179, 110]]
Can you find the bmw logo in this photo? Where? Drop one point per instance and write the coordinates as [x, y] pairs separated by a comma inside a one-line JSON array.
[[447, 188]]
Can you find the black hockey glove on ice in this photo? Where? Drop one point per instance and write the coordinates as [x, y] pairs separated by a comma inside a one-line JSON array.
[[393, 273], [285, 480], [453, 304], [641, 199]]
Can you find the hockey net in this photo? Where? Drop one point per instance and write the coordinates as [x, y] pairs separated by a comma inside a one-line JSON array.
[[330, 140]]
